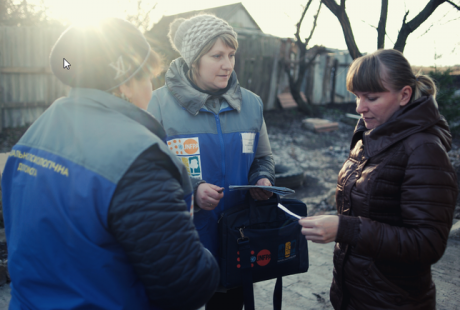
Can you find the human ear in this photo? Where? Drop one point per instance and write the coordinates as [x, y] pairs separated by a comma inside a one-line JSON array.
[[406, 94], [126, 90]]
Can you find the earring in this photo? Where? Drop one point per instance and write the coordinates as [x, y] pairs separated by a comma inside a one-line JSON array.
[[123, 96]]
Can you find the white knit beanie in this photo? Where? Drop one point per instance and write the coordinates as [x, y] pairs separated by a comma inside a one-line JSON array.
[[189, 36]]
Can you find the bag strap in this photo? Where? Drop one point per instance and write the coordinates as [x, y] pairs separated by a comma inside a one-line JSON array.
[[246, 279], [278, 294], [248, 291]]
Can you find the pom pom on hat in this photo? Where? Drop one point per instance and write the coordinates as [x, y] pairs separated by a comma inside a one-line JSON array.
[[189, 36], [174, 37]]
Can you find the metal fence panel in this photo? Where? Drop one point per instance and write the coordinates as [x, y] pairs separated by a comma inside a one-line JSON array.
[[27, 86]]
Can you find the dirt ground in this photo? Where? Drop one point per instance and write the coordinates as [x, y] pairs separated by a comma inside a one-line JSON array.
[[320, 157]]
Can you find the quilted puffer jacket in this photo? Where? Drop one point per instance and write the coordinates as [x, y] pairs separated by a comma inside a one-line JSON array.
[[146, 217], [395, 197]]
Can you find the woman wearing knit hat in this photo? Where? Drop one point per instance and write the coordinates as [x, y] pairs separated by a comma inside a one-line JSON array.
[[214, 126], [95, 205]]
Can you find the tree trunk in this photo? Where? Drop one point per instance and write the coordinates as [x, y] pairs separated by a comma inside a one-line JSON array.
[[295, 92], [339, 12], [381, 29]]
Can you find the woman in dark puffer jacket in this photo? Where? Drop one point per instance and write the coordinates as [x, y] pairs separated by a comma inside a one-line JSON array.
[[395, 194]]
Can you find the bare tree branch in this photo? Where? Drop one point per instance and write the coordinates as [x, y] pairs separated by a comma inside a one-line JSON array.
[[405, 17], [455, 6], [297, 34], [307, 40], [146, 19], [339, 12], [372, 26], [382, 25], [408, 28], [429, 28], [302, 65], [389, 38], [432, 24], [450, 20], [141, 17]]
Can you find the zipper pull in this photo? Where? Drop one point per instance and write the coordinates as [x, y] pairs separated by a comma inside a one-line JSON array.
[[242, 234]]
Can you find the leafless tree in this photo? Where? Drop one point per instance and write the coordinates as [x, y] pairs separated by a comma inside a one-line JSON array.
[[406, 29], [23, 13], [306, 58], [141, 16]]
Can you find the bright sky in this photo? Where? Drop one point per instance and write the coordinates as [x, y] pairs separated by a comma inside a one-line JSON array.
[[280, 17]]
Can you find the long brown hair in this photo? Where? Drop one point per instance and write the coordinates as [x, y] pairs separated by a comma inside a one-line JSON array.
[[368, 72]]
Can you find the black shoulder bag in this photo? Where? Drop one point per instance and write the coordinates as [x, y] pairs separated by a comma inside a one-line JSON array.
[[259, 242]]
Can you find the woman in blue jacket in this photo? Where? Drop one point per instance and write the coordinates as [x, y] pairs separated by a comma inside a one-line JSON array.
[[214, 126], [95, 205]]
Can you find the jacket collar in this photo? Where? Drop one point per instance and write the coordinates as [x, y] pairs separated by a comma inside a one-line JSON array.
[[121, 106], [192, 99], [418, 116]]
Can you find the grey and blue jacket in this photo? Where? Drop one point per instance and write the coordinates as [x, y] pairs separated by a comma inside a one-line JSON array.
[[97, 213], [220, 139]]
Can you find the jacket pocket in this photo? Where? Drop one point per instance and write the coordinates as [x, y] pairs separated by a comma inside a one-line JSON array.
[[386, 286]]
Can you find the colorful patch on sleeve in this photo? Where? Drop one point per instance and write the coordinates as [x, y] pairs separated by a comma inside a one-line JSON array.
[[188, 151]]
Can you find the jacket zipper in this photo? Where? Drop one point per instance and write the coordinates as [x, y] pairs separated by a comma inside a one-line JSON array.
[[222, 147]]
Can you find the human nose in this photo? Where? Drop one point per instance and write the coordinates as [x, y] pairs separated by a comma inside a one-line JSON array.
[[228, 63], [361, 106]]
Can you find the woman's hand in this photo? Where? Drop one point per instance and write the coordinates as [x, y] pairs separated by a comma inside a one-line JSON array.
[[321, 228], [260, 194], [208, 196]]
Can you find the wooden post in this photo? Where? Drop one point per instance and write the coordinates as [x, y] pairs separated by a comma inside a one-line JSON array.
[[334, 79]]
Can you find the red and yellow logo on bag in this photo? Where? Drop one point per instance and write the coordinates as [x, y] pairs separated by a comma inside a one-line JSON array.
[[262, 258]]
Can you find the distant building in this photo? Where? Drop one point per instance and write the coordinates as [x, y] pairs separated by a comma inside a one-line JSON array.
[[234, 14]]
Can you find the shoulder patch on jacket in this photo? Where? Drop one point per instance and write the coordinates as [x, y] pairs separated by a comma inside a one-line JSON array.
[[188, 151]]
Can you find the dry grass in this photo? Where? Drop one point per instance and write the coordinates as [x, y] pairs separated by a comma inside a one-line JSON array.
[[425, 70]]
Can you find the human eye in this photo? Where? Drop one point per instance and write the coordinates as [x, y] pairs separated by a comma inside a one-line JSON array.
[[372, 98], [216, 56]]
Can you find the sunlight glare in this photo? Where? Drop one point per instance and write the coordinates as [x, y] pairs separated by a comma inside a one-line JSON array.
[[84, 12]]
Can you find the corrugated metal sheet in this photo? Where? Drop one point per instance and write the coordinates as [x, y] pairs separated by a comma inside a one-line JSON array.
[[344, 61], [256, 64], [24, 50], [323, 78]]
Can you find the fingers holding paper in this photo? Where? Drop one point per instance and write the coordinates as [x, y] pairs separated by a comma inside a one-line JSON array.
[[260, 194], [321, 228]]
